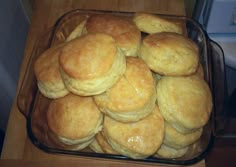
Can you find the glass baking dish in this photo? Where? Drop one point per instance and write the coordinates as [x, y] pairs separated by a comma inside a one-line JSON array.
[[34, 106]]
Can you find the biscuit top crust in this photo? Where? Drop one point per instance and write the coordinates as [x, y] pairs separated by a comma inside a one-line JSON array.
[[186, 100], [170, 54], [46, 67], [89, 56], [151, 24], [144, 136], [132, 91], [120, 28], [73, 117], [135, 88], [171, 40]]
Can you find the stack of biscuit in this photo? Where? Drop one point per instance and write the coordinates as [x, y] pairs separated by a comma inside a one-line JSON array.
[[183, 96], [122, 94]]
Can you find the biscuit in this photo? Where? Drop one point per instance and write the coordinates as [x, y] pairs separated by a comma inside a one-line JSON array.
[[177, 140], [127, 36], [136, 140], [95, 146], [78, 30], [46, 69], [103, 143], [151, 24], [169, 152], [185, 102], [170, 54], [91, 64], [133, 96], [75, 120], [200, 71]]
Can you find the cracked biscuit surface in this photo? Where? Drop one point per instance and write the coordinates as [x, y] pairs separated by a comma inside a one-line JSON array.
[[133, 97]]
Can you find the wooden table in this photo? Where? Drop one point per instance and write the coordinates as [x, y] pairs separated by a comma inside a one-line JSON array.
[[17, 149]]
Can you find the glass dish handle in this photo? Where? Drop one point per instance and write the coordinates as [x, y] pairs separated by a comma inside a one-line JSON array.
[[28, 89], [219, 86]]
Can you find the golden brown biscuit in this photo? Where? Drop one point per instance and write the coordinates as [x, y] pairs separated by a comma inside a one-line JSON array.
[[60, 143], [77, 31], [102, 142], [177, 140], [91, 64], [151, 24], [170, 54], [133, 96], [185, 102], [200, 71], [75, 120], [95, 146], [46, 69], [169, 152], [137, 139], [127, 36]]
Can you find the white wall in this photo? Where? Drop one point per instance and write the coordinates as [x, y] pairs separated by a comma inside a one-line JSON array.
[[13, 31]]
